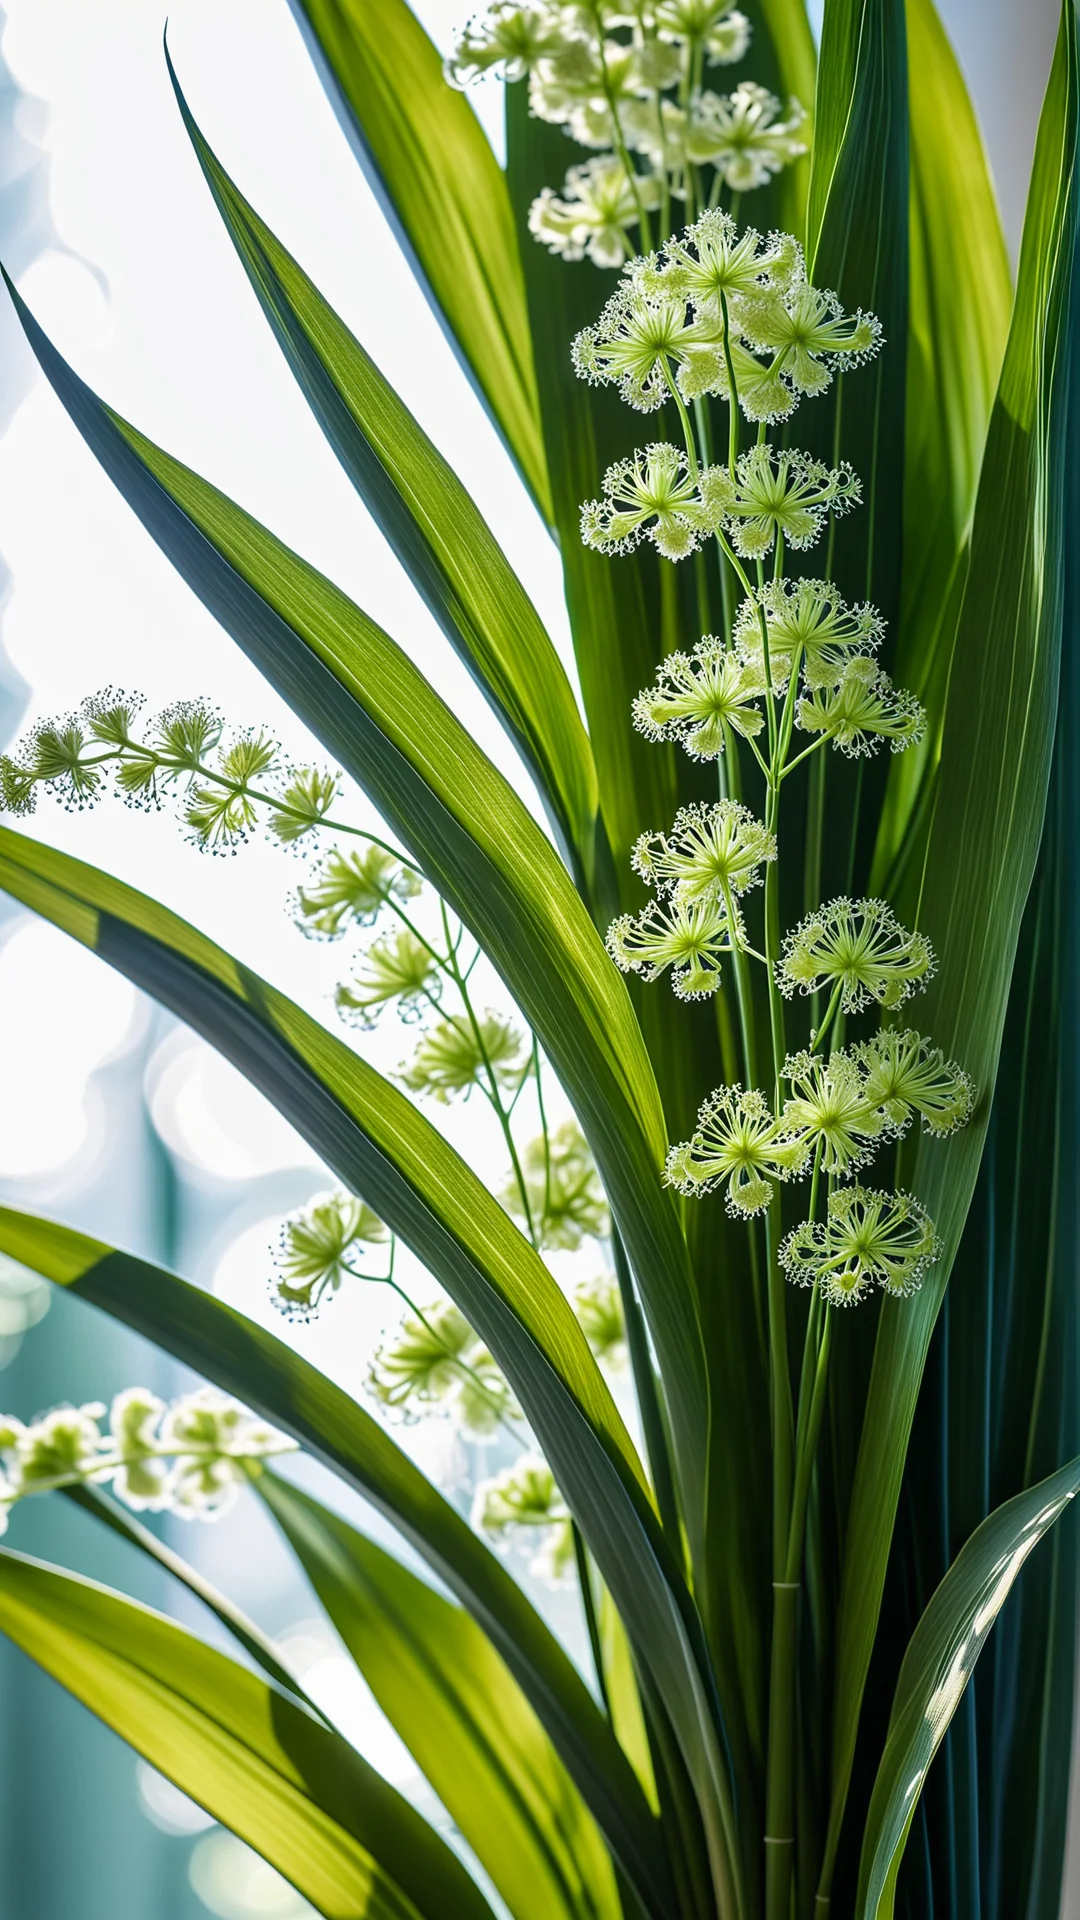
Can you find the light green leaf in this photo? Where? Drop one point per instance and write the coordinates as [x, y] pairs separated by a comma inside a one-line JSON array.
[[960, 305], [243, 1359], [985, 835], [468, 830], [254, 1758], [425, 513], [459, 1712], [937, 1667], [430, 163]]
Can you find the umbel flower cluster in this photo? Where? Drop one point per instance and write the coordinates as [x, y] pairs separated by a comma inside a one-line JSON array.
[[190, 1458], [637, 84], [731, 316]]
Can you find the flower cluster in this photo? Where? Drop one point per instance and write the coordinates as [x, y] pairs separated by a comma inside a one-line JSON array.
[[628, 83], [523, 1503], [224, 785], [712, 856], [318, 1247], [190, 1458], [435, 1361], [565, 1197]]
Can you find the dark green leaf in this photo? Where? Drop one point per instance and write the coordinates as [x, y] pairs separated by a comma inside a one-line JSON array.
[[425, 513], [937, 1667], [987, 824], [467, 829], [439, 183], [459, 1712], [245, 1360], [254, 1758]]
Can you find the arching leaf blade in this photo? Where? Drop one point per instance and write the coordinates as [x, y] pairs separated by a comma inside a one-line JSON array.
[[986, 830], [430, 163], [244, 1359], [459, 1712], [938, 1665], [425, 513], [253, 1757], [466, 828]]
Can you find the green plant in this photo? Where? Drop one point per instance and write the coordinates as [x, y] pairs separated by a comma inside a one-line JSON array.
[[786, 1589]]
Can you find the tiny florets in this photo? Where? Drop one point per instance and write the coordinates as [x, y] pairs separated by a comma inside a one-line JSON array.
[[697, 697], [860, 947], [867, 1238]]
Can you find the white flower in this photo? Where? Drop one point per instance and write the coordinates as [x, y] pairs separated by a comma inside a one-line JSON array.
[[905, 1072], [742, 136], [509, 39], [711, 853], [212, 1436], [713, 265], [696, 697], [830, 1111], [399, 967], [860, 946], [688, 937], [786, 493], [65, 1444], [714, 25], [453, 1059], [810, 333], [522, 1500], [806, 621], [350, 889], [140, 1478], [566, 1197], [596, 213], [653, 496], [739, 1144], [599, 1309], [868, 1237], [862, 710]]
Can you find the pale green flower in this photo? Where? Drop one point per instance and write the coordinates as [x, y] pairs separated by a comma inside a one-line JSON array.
[[806, 620], [711, 852], [904, 1072], [596, 213], [65, 1444], [212, 1436], [862, 710], [575, 85], [566, 1198], [714, 25], [140, 1479], [399, 967], [508, 39], [313, 1253], [421, 1363], [810, 332], [451, 1059], [783, 492], [305, 800], [221, 816], [762, 393], [860, 946], [524, 1499], [599, 1309], [653, 496], [185, 734], [689, 937], [482, 1401], [867, 1237], [738, 1144], [742, 136], [638, 338], [351, 888], [713, 265], [829, 1110], [695, 697]]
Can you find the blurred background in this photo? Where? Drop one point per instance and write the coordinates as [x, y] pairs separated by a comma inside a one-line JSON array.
[[111, 1115]]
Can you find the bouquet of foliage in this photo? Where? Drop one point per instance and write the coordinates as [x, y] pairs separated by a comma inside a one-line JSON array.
[[781, 1057]]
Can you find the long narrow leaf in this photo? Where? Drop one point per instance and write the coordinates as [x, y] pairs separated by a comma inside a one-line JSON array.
[[459, 1712], [938, 1665], [425, 154], [245, 1360], [467, 829], [254, 1758], [995, 764], [425, 513]]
